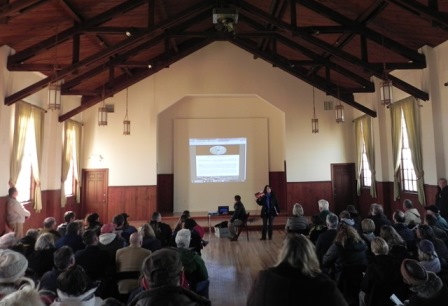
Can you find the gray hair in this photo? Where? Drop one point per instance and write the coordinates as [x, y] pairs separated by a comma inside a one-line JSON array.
[[44, 242], [379, 246], [332, 221], [183, 238], [297, 210], [376, 209], [323, 204], [300, 253]]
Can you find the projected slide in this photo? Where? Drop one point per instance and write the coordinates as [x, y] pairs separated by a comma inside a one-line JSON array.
[[218, 160]]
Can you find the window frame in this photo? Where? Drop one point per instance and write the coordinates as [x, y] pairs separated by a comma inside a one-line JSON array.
[[407, 172], [365, 173]]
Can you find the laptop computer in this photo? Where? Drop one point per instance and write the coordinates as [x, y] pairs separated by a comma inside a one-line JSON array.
[[223, 210]]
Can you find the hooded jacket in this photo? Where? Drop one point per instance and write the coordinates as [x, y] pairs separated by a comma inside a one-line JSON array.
[[88, 298]]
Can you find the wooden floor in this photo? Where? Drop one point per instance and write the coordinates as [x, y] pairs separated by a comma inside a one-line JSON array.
[[233, 265]]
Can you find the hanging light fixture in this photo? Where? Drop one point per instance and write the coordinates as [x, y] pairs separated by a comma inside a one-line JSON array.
[[386, 85], [314, 120], [102, 112], [54, 88], [126, 121], [339, 110]]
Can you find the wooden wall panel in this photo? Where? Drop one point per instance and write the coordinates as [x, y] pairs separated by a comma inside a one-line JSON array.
[[2, 214], [139, 202], [307, 194], [277, 181], [165, 193]]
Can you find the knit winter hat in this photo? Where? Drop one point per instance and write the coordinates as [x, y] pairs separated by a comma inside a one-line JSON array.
[[413, 272], [163, 266], [426, 247], [12, 266], [107, 228], [7, 240]]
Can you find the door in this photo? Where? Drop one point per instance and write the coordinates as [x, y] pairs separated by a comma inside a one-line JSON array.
[[344, 186], [94, 192]]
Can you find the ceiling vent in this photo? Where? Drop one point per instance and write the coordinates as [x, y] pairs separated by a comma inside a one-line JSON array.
[[110, 108]]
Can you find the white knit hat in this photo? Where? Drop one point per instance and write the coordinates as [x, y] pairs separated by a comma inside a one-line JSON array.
[[7, 240], [12, 266]]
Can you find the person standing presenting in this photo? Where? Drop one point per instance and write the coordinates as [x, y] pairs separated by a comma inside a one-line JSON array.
[[15, 213], [238, 217], [442, 198], [269, 209]]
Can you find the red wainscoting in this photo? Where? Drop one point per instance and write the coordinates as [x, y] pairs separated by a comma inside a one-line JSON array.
[[2, 214], [139, 202], [277, 181], [307, 194]]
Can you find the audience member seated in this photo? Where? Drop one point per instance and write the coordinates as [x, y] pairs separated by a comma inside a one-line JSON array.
[[112, 302], [435, 211], [163, 231], [50, 227], [13, 266], [95, 261], [196, 241], [63, 258], [72, 237], [122, 227], [69, 216], [8, 240], [317, 228], [238, 217], [428, 257], [368, 230], [180, 223], [425, 232], [161, 271], [130, 259], [427, 287], [296, 279], [411, 214], [431, 220], [345, 217], [26, 244], [297, 223], [348, 249], [41, 260], [355, 216], [24, 296], [194, 266], [382, 277], [378, 217], [110, 242], [150, 242], [405, 232], [324, 209], [397, 246], [92, 222], [326, 239], [75, 288]]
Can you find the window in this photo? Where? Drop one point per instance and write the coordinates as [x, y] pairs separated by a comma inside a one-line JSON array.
[[68, 184], [408, 177], [366, 175], [25, 180]]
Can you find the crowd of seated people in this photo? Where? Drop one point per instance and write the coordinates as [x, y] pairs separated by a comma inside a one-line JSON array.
[[90, 263]]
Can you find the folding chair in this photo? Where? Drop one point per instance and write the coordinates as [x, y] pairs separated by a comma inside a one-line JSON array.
[[242, 227]]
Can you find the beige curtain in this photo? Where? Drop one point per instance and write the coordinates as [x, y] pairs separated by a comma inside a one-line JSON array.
[[38, 118], [358, 143], [367, 133], [411, 118], [77, 127], [395, 114], [22, 119], [66, 157]]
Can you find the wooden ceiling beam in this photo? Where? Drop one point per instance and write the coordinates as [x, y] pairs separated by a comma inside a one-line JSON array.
[[91, 60], [423, 11], [79, 28], [301, 73], [122, 82], [336, 52], [361, 29], [18, 7]]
